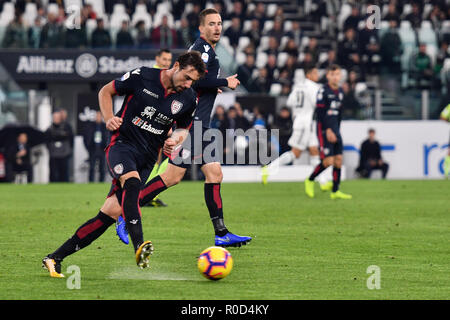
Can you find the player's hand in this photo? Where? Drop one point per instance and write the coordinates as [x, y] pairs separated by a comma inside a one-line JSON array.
[[331, 137], [169, 145], [114, 123], [233, 81]]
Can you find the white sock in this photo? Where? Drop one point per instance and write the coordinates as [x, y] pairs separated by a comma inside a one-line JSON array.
[[314, 160], [282, 160]]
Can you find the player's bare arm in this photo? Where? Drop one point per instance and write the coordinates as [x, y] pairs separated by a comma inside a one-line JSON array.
[[175, 140], [105, 99]]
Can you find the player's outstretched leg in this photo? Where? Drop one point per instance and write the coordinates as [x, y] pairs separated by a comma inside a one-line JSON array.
[[84, 236], [309, 183]]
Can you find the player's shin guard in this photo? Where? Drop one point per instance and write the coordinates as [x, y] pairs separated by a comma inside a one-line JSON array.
[[151, 190], [213, 201], [84, 236], [131, 211], [336, 178], [317, 170]]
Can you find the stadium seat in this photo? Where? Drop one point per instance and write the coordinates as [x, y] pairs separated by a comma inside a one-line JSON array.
[[246, 26], [426, 34], [157, 18], [30, 13], [407, 8], [77, 3], [261, 59], [164, 7], [240, 57], [345, 11], [263, 44], [275, 89], [281, 59], [268, 25], [299, 75], [243, 42], [141, 14], [7, 14], [271, 8], [226, 24], [287, 26], [91, 24], [52, 8], [225, 42]]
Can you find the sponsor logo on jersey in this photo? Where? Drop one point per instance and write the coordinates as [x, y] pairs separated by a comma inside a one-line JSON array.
[[154, 95], [207, 47], [146, 126], [148, 112], [176, 106], [163, 119]]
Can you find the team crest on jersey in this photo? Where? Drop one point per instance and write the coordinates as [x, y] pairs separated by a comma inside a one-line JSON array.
[[118, 169], [205, 57], [176, 106]]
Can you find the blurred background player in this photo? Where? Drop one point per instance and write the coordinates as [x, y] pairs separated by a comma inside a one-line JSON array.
[[445, 115], [302, 101], [163, 61], [329, 115], [207, 88]]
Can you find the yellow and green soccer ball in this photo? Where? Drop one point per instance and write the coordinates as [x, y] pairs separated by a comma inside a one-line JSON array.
[[215, 263]]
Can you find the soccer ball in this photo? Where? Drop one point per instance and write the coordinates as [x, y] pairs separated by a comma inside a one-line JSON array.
[[215, 263]]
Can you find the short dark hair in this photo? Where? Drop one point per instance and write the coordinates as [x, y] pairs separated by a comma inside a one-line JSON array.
[[194, 59], [206, 12], [333, 67], [308, 69], [160, 52]]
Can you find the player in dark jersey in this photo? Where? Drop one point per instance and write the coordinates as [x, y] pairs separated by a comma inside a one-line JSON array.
[[329, 114], [207, 89], [154, 100]]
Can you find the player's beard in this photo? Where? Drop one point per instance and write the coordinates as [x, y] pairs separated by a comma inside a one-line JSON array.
[[172, 83]]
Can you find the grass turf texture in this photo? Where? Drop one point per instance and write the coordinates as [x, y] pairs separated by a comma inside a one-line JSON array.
[[302, 248]]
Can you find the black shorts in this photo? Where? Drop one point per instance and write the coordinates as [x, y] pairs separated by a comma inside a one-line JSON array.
[[328, 149], [122, 158], [200, 147]]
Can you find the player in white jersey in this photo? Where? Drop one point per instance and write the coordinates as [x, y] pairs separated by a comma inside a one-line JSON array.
[[302, 101]]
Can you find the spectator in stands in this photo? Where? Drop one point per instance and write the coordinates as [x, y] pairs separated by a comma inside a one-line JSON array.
[[61, 16], [245, 71], [392, 13], [291, 48], [19, 156], [273, 46], [254, 34], [353, 19], [348, 51], [442, 54], [436, 16], [91, 14], [237, 11], [41, 15], [307, 61], [277, 30], [369, 48], [313, 49], [95, 140], [184, 35], [370, 158], [352, 107], [15, 34], [59, 143], [34, 34], [219, 118], [290, 66], [415, 16], [235, 118], [272, 67], [279, 14], [422, 68], [283, 122], [391, 49], [261, 82], [142, 37], [124, 40], [295, 33], [259, 121], [331, 59], [52, 33], [164, 36], [234, 31], [285, 77], [100, 37], [76, 37], [193, 19], [259, 14], [249, 49]]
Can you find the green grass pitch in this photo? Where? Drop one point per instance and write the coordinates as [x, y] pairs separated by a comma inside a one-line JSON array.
[[302, 248]]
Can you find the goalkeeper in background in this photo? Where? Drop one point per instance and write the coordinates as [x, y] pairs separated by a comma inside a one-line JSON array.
[[445, 115]]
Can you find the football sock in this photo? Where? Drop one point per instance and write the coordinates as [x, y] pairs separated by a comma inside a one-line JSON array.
[[314, 160], [336, 178], [132, 212], [151, 190], [214, 203], [318, 170], [84, 236], [283, 160], [447, 165]]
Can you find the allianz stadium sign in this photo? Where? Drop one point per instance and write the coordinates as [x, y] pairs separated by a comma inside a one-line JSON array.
[[73, 65]]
